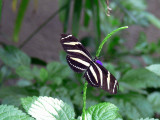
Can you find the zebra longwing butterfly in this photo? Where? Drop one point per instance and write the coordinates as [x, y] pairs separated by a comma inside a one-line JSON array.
[[80, 60]]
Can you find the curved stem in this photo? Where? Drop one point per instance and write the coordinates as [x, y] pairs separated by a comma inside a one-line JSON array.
[[84, 99], [106, 38]]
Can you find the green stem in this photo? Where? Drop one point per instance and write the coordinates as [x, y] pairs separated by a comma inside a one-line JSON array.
[[106, 38], [84, 99], [97, 54]]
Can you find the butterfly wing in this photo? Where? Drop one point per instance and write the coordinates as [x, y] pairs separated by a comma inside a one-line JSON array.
[[78, 57], [98, 76]]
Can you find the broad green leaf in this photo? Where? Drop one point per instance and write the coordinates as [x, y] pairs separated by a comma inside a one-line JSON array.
[[11, 113], [21, 12], [87, 12], [154, 99], [141, 78], [13, 57], [24, 83], [13, 100], [76, 17], [57, 72], [132, 106], [148, 119], [43, 74], [102, 111], [25, 72], [155, 68], [49, 108]]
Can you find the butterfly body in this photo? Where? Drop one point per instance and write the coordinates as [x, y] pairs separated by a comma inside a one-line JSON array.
[[80, 60]]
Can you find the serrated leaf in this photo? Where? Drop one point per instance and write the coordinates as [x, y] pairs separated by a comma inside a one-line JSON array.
[[13, 57], [155, 68], [49, 108], [133, 106], [141, 78], [25, 72], [103, 111], [21, 12], [154, 99], [148, 119], [12, 113]]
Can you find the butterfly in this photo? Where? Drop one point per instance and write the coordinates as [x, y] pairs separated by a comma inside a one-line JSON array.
[[80, 60]]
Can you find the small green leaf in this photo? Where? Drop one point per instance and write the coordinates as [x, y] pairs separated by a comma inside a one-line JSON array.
[[155, 68], [43, 74], [133, 106], [13, 57], [13, 100], [76, 17], [24, 83], [12, 113], [24, 72], [141, 78], [48, 107], [45, 91], [21, 12], [154, 99], [103, 111]]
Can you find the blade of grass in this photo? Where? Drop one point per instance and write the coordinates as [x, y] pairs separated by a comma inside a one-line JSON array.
[[76, 16], [64, 16], [96, 21], [19, 19], [87, 13]]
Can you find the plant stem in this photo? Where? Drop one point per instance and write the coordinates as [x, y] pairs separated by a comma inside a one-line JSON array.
[[106, 38], [42, 25], [84, 99]]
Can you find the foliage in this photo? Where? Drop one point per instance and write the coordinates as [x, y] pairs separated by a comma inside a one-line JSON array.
[[136, 69]]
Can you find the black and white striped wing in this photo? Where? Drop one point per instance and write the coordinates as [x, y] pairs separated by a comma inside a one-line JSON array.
[[98, 76], [78, 57]]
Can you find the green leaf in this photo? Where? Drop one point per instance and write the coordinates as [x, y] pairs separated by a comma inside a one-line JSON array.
[[141, 78], [148, 119], [45, 91], [103, 111], [24, 83], [43, 74], [132, 106], [25, 72], [48, 107], [12, 113], [155, 68], [13, 57], [13, 100], [87, 12], [76, 17], [153, 19], [154, 99], [21, 12], [96, 21]]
